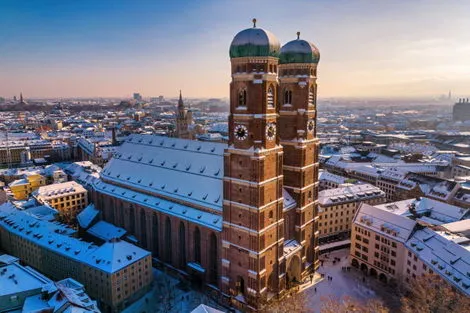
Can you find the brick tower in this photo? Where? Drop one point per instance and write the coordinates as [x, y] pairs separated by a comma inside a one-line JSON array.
[[183, 120], [253, 226], [297, 132]]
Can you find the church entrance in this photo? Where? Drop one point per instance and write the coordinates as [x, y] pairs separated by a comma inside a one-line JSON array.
[[294, 271]]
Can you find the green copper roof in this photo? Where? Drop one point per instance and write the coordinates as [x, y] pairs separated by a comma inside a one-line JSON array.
[[299, 51], [254, 42]]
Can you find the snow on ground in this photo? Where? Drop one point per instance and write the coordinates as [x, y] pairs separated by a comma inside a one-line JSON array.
[[344, 283], [166, 296]]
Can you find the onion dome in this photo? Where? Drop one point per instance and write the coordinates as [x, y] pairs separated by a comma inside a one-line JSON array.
[[254, 42], [299, 51]]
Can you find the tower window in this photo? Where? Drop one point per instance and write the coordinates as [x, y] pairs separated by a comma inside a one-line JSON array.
[[310, 96], [288, 96], [242, 98], [270, 97]]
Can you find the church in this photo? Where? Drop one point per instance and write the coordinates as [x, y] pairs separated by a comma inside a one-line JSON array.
[[238, 217]]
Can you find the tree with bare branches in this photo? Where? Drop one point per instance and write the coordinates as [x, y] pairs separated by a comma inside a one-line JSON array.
[[429, 293], [349, 305]]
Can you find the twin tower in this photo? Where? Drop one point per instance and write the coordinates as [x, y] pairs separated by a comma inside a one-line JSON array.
[[271, 165]]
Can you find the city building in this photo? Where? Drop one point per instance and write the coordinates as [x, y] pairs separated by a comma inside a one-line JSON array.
[[22, 188], [240, 216], [68, 198], [115, 273], [461, 110], [402, 240], [184, 121], [17, 283], [337, 207]]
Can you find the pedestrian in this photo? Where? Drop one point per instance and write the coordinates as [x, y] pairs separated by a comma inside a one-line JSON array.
[[311, 278], [315, 289]]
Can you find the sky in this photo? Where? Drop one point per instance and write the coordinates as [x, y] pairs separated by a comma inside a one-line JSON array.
[[91, 48]]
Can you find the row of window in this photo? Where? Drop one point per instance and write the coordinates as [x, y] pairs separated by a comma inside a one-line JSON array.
[[243, 96]]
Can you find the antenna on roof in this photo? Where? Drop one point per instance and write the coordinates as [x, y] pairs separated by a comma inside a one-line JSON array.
[[254, 23], [298, 35]]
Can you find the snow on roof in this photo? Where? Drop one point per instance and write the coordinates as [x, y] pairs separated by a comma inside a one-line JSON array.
[[16, 279], [19, 182], [447, 254], [206, 219], [7, 259], [289, 202], [186, 170], [349, 194], [428, 210], [460, 227], [86, 216], [115, 255], [59, 190], [327, 176], [202, 308], [106, 231], [43, 212], [394, 226], [443, 190], [54, 237]]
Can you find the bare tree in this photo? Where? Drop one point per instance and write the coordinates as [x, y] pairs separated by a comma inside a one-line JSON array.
[[349, 304], [429, 293], [293, 301]]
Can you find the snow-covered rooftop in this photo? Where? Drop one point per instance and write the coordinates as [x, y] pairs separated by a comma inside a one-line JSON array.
[[86, 216], [53, 237], [106, 231], [59, 190], [15, 279], [447, 254], [429, 210], [394, 226], [187, 170], [349, 194], [194, 215]]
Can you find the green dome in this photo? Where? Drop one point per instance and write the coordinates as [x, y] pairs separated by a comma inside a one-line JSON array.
[[254, 42], [299, 51]]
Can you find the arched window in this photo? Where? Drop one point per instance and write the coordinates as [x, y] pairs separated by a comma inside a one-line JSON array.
[[213, 258], [242, 98], [155, 235], [143, 229], [287, 96], [197, 245], [270, 97], [168, 243], [311, 96], [182, 252]]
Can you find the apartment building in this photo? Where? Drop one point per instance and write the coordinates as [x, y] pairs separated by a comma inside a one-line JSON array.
[[337, 207], [22, 188], [68, 198], [115, 273], [403, 240]]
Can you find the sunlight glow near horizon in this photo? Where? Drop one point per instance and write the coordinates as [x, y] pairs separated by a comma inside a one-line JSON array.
[[115, 48]]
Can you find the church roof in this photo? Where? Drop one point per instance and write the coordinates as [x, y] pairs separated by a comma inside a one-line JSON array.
[[186, 170]]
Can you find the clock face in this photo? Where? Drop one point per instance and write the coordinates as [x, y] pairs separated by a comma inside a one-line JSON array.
[[241, 132], [270, 131], [311, 126]]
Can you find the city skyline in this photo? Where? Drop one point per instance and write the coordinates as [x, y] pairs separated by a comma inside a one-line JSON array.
[[113, 49]]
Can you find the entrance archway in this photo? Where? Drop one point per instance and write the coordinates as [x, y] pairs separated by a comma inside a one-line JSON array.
[[373, 272], [355, 263], [383, 278], [294, 269], [364, 268]]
